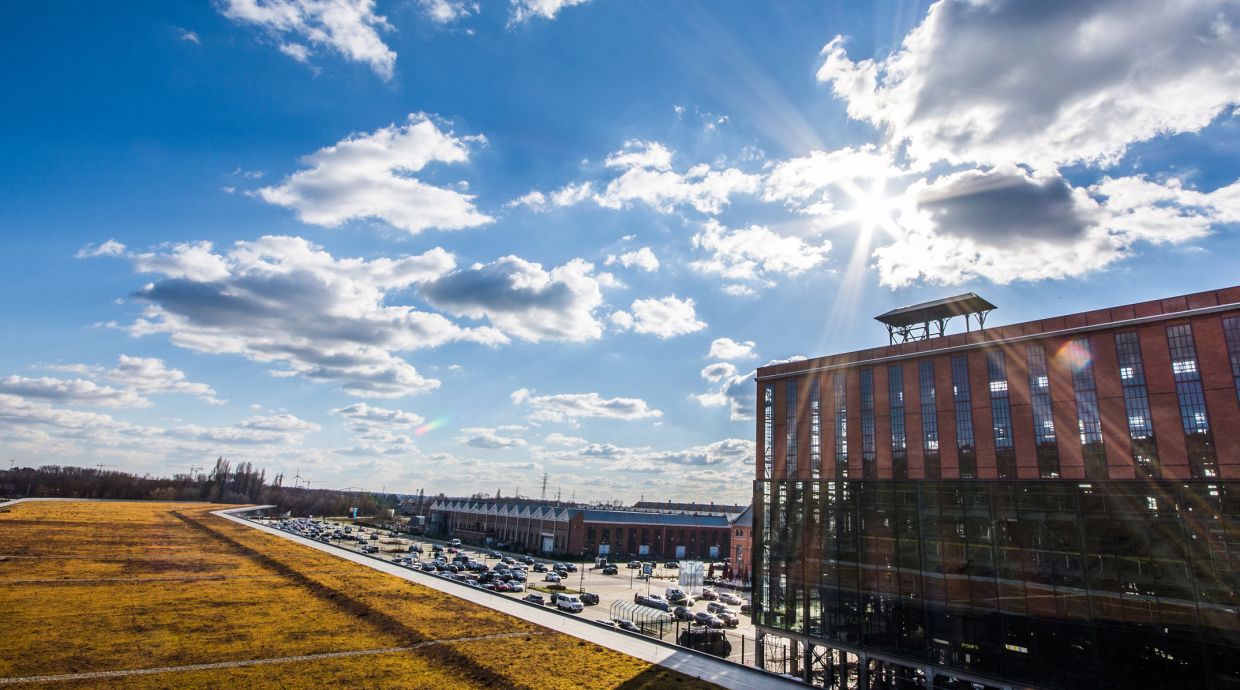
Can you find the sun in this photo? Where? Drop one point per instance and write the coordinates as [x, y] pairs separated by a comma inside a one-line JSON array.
[[871, 207]]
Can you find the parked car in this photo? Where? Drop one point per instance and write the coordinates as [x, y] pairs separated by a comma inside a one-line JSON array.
[[672, 564], [540, 567], [455, 542], [654, 601], [625, 624], [534, 598], [682, 613], [707, 619], [570, 567], [635, 564], [716, 607], [713, 642], [676, 595], [746, 607], [551, 577], [611, 570], [589, 598], [606, 621], [708, 594], [730, 598], [568, 602], [516, 587], [729, 617], [495, 554], [528, 560]]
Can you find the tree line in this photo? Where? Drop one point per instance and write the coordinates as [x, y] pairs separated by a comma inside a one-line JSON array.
[[222, 483]]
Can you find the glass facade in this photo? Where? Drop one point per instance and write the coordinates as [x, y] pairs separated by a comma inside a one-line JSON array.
[[768, 428], [790, 422], [1137, 405], [1111, 584], [869, 466], [1193, 415], [1231, 332], [899, 441], [1080, 358], [966, 451], [841, 427], [1001, 413], [929, 420], [1043, 417], [815, 430]]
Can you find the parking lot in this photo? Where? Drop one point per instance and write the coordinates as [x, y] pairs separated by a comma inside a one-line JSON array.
[[620, 587]]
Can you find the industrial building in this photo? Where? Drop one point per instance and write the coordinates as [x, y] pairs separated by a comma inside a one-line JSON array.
[[656, 531], [1052, 504]]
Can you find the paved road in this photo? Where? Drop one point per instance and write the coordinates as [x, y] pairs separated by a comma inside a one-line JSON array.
[[728, 675]]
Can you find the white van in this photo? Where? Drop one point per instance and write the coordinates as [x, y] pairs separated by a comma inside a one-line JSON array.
[[568, 602], [455, 542]]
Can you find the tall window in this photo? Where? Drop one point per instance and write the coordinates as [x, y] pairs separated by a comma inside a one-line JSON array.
[[1231, 331], [966, 450], [815, 430], [1081, 359], [1137, 405], [869, 468], [841, 427], [899, 442], [1193, 415], [790, 420], [929, 420], [1043, 419], [768, 428], [1001, 408]]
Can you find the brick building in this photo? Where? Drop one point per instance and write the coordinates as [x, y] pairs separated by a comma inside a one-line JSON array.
[[1050, 504], [559, 529]]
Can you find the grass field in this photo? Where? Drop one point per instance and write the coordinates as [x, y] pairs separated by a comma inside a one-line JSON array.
[[168, 588]]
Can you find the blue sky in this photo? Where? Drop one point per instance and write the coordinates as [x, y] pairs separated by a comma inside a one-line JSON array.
[[454, 245]]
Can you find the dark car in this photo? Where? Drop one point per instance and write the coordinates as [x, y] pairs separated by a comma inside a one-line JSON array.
[[528, 560], [588, 598], [416, 549], [682, 613], [713, 642], [627, 625], [534, 599], [570, 567], [540, 567], [635, 564], [672, 564], [611, 570]]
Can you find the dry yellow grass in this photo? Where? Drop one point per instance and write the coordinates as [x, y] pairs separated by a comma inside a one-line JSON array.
[[116, 586]]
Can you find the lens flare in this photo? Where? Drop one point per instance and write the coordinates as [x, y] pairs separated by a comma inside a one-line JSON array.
[[431, 426], [1074, 356]]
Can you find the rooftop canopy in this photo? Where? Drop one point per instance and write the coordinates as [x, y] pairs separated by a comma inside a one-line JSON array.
[[929, 319]]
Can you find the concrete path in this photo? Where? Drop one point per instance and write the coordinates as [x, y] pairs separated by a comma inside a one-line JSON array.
[[725, 674]]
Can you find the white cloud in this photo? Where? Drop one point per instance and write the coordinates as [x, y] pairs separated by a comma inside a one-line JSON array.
[[488, 438], [569, 407], [109, 248], [143, 376], [642, 258], [71, 392], [993, 83], [284, 300], [296, 51], [525, 10], [370, 176], [665, 317], [755, 253], [645, 176], [1006, 224], [726, 348], [447, 11], [188, 36], [829, 183], [364, 418], [555, 438], [522, 299], [349, 27]]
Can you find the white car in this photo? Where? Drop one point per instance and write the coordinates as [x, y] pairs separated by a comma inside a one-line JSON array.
[[568, 602], [515, 586], [551, 577], [730, 598]]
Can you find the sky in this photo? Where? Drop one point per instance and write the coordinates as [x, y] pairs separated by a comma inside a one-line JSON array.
[[453, 245]]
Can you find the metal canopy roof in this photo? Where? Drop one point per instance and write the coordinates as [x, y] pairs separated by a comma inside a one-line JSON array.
[[968, 303]]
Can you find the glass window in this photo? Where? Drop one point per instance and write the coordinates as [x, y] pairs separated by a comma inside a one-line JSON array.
[[1001, 409], [966, 451], [1137, 405], [815, 430], [899, 443], [768, 428], [790, 422], [1193, 414], [1080, 358], [929, 420], [1043, 418], [869, 468], [1231, 331], [841, 426]]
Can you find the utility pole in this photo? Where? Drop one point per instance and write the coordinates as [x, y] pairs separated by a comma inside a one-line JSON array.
[[544, 487]]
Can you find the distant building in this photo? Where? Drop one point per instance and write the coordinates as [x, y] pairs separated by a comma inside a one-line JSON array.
[[550, 528], [1052, 504], [742, 546]]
